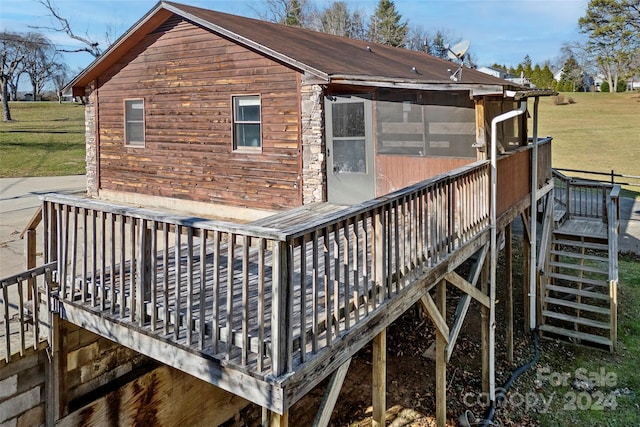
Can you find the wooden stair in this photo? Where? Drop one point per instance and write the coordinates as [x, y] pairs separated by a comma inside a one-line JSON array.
[[576, 302]]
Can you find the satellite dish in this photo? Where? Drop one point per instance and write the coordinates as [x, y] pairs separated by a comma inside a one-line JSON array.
[[458, 52]]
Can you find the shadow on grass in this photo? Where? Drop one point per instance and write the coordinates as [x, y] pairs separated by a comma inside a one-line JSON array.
[[40, 131]]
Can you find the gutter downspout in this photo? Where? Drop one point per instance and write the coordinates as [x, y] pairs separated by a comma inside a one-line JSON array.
[[494, 257], [533, 267]]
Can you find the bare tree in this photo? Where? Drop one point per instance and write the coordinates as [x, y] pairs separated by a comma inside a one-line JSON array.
[[91, 46], [297, 13], [39, 62], [12, 53], [60, 77], [338, 20]]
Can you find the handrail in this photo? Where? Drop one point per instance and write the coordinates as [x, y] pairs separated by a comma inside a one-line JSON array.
[[613, 209], [16, 312], [586, 199], [332, 273]]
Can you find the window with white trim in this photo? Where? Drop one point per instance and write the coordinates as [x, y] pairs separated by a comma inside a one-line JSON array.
[[247, 132], [134, 122]]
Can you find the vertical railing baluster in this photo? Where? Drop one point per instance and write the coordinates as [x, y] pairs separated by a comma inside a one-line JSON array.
[[203, 288], [132, 271], [215, 323], [356, 266], [314, 293], [178, 278], [336, 276], [85, 256], [112, 263], [327, 286], [74, 252], [345, 272], [230, 281], [165, 278], [103, 259], [20, 317], [303, 298], [190, 286], [246, 243], [261, 308], [123, 300], [94, 259]]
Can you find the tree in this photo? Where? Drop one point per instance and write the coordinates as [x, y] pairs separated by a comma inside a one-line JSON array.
[[59, 78], [386, 27], [337, 20], [39, 62], [613, 27], [418, 39], [12, 53], [572, 75], [295, 13], [91, 46]]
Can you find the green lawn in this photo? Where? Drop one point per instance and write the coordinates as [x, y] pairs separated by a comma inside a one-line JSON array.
[[44, 139], [599, 132]]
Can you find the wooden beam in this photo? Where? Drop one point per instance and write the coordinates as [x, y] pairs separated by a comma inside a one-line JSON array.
[[441, 359], [466, 287], [438, 320], [509, 293], [331, 396], [379, 379], [278, 420], [246, 386]]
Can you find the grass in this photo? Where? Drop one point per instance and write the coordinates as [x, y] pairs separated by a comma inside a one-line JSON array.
[[611, 395], [44, 139], [600, 132]]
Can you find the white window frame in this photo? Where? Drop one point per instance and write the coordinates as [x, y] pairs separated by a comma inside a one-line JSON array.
[[127, 121], [242, 148]]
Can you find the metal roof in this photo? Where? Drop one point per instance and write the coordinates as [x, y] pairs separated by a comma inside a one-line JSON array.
[[322, 57]]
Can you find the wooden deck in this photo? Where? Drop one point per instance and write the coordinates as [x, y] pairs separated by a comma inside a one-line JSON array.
[[279, 303], [592, 228]]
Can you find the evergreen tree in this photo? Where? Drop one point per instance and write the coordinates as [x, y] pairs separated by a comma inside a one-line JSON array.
[[386, 26], [546, 78]]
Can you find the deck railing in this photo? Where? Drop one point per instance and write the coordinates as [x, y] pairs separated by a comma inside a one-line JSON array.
[[20, 305], [580, 198], [259, 297]]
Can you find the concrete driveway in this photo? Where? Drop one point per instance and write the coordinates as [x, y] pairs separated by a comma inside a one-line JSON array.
[[19, 200]]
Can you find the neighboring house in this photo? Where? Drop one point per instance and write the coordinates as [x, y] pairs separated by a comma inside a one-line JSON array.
[[502, 74], [198, 108]]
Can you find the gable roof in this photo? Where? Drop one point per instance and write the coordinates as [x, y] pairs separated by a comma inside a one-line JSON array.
[[322, 57]]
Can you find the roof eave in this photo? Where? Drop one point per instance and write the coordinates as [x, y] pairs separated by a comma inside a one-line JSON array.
[[152, 18], [476, 89]]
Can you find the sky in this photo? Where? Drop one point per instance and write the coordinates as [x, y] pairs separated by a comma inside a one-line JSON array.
[[500, 31]]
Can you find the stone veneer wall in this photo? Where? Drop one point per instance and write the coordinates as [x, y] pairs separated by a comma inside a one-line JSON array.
[[314, 180], [91, 142], [22, 390]]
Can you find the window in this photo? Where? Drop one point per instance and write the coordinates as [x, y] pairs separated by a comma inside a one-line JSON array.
[[246, 123], [134, 122]]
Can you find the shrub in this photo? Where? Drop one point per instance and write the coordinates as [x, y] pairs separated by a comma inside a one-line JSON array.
[[571, 100], [558, 100], [604, 87]]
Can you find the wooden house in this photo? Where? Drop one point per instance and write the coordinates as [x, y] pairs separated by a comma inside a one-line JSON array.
[[265, 200], [226, 115]]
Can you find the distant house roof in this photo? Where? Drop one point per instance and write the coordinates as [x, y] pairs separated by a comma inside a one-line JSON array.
[[321, 57]]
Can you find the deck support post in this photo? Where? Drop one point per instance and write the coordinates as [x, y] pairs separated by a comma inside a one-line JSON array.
[[278, 420], [379, 379], [509, 292], [56, 372], [484, 329], [331, 396], [441, 358]]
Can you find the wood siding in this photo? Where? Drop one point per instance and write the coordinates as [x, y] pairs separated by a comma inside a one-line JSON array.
[[514, 179], [396, 172], [187, 76]]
